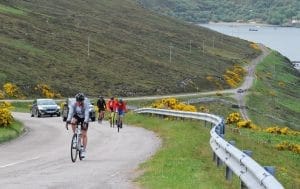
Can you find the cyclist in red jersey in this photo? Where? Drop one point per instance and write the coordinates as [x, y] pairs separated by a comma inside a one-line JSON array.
[[121, 110], [111, 107]]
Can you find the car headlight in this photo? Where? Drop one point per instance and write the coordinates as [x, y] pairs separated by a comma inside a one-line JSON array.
[[41, 108]]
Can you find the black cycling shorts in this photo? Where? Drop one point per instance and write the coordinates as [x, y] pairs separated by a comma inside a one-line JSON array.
[[81, 121]]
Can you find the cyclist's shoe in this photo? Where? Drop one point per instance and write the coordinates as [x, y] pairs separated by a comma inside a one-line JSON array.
[[83, 154]]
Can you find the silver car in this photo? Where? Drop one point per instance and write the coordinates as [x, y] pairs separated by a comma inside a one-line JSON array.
[[42, 107]]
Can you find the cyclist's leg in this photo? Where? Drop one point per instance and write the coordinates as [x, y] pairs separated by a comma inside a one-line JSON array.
[[121, 118], [74, 123], [111, 118], [84, 129], [102, 114]]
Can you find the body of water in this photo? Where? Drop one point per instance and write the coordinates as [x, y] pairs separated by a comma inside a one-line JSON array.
[[285, 40]]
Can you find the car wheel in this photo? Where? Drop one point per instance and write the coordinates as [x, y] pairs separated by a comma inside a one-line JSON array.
[[93, 118], [38, 114], [32, 115], [64, 118], [58, 114]]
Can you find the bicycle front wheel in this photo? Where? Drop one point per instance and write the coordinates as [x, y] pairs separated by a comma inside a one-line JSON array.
[[74, 151]]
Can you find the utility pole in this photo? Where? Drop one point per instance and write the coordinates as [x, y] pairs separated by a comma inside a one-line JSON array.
[[88, 46], [203, 47], [170, 58]]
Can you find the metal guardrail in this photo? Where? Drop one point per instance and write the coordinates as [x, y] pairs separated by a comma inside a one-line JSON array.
[[252, 174]]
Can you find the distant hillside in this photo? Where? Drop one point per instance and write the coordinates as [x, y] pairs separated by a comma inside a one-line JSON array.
[[129, 49], [278, 12]]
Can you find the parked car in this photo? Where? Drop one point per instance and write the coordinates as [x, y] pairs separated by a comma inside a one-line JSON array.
[[42, 107], [240, 91], [66, 106]]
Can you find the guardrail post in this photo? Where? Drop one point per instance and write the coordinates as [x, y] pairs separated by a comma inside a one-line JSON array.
[[205, 123], [219, 161], [248, 153], [270, 169], [228, 171]]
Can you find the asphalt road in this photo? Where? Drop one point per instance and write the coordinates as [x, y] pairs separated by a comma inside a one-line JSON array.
[[249, 81], [41, 157]]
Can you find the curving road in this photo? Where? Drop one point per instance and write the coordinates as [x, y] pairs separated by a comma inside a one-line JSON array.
[[41, 157], [248, 81]]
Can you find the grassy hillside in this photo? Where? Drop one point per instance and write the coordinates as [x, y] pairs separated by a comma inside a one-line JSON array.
[[129, 49], [266, 11], [274, 99]]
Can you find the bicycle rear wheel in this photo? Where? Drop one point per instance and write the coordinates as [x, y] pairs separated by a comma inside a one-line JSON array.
[[74, 151]]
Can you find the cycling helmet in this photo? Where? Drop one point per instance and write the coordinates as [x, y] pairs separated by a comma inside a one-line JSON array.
[[79, 97]]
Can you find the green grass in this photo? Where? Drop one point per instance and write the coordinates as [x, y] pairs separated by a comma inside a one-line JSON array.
[[283, 108], [11, 132], [11, 10], [286, 163], [21, 106], [129, 49], [185, 158]]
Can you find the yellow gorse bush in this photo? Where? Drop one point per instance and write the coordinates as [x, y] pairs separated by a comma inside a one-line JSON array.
[[246, 124], [282, 131], [234, 75], [6, 117], [46, 91], [11, 90], [1, 94], [174, 104], [255, 46], [233, 118], [288, 146], [203, 109]]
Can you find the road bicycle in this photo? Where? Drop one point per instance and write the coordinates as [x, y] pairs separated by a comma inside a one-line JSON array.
[[112, 119], [119, 122], [100, 116], [76, 146]]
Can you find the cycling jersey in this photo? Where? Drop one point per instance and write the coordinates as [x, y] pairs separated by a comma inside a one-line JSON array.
[[111, 105], [121, 108], [80, 111], [101, 104]]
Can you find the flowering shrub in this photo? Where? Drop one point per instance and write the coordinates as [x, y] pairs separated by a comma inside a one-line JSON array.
[[255, 46], [1, 94], [234, 76], [5, 114], [174, 104], [281, 84], [246, 124], [233, 118], [288, 146], [46, 91], [11, 90], [203, 109], [281, 131]]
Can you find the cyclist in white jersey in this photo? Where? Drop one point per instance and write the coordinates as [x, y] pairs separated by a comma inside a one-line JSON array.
[[79, 113]]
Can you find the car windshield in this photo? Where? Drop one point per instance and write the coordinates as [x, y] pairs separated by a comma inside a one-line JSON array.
[[46, 102]]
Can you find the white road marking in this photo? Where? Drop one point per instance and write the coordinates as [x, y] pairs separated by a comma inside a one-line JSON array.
[[18, 162]]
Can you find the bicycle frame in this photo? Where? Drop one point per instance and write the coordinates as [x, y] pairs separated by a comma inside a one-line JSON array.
[[76, 143]]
